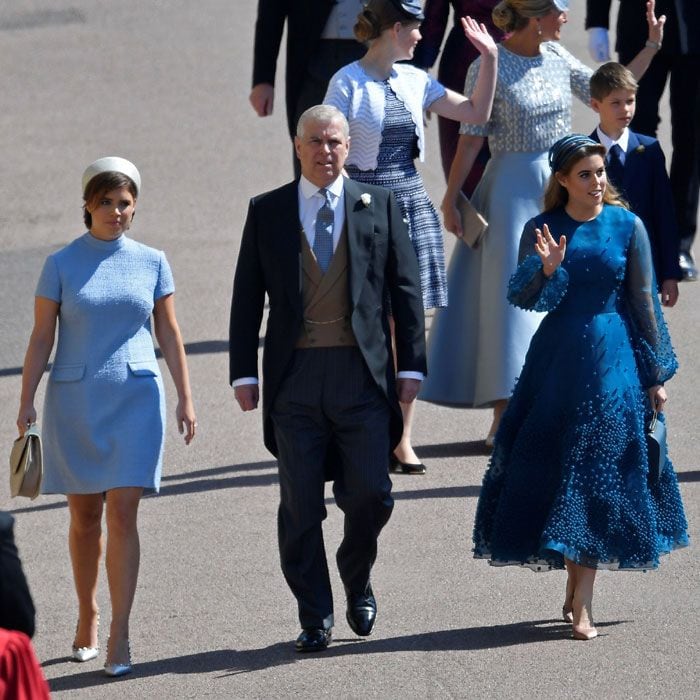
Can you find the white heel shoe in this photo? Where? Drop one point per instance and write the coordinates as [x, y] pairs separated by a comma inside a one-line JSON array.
[[116, 670], [82, 654]]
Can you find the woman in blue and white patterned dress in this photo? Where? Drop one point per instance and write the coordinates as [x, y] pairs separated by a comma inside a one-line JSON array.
[[477, 345], [384, 103]]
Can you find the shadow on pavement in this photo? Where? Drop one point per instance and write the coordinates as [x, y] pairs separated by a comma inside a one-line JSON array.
[[470, 448], [688, 476], [231, 661]]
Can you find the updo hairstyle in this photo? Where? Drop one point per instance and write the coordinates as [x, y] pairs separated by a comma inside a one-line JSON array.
[[512, 15], [377, 16]]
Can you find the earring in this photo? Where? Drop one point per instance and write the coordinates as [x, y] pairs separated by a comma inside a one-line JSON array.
[[539, 30]]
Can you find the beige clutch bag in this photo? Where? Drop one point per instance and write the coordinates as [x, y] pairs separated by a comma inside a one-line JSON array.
[[26, 464], [474, 226]]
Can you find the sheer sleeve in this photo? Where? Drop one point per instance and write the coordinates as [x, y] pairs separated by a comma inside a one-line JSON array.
[[529, 288], [651, 341]]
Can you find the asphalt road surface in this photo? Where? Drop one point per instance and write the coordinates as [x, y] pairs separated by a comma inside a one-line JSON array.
[[165, 84]]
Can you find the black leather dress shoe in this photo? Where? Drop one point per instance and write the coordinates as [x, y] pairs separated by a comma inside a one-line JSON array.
[[395, 465], [688, 269], [313, 639], [361, 612]]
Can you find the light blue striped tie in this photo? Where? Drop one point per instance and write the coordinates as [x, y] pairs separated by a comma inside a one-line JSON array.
[[323, 238]]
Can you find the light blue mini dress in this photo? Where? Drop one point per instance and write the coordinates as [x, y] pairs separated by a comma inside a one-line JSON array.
[[104, 412]]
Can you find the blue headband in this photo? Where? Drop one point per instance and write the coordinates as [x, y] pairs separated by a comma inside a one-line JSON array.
[[561, 5], [560, 152]]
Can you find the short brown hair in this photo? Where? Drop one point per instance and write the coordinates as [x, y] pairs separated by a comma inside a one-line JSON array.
[[100, 185], [611, 76]]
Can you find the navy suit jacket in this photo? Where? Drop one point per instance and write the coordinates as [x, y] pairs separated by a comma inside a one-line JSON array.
[[647, 189], [381, 258]]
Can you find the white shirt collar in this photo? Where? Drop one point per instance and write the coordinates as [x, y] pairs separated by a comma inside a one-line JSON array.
[[308, 189], [609, 143]]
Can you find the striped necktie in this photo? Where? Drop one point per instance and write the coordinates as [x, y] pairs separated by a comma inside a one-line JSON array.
[[323, 238]]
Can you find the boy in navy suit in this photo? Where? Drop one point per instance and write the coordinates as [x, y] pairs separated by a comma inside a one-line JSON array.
[[636, 166]]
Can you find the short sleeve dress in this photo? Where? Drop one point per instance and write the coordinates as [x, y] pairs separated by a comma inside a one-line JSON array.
[[569, 475], [384, 132], [477, 345], [104, 412]]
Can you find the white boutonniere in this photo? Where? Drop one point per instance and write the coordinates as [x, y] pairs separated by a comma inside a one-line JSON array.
[[640, 148], [366, 198]]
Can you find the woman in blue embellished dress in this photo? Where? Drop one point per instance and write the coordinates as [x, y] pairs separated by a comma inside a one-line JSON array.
[[384, 102], [568, 483], [478, 343], [104, 411]]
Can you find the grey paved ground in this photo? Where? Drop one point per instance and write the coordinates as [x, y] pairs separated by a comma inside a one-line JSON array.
[[165, 84]]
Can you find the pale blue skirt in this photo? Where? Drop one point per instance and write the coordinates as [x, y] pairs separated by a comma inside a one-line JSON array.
[[477, 345]]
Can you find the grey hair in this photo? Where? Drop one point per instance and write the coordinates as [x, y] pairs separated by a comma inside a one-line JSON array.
[[323, 113]]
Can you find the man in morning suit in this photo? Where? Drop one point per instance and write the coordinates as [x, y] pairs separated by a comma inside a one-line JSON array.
[[679, 58], [328, 252], [320, 41]]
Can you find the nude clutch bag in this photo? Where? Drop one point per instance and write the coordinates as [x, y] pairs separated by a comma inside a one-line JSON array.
[[474, 226], [26, 464]]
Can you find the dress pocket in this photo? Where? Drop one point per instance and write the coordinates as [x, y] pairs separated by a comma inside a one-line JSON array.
[[144, 368], [67, 373]]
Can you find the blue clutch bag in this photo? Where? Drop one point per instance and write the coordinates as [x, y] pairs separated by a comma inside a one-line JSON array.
[[656, 447]]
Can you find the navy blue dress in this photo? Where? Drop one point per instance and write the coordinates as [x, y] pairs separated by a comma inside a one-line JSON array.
[[396, 170], [569, 473]]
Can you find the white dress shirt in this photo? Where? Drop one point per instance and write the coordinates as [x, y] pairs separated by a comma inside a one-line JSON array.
[[622, 142], [311, 200]]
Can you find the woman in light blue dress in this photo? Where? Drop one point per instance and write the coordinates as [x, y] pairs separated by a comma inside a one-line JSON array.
[[104, 412], [477, 344], [569, 483]]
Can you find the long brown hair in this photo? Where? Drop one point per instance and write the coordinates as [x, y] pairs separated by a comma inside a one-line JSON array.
[[556, 195]]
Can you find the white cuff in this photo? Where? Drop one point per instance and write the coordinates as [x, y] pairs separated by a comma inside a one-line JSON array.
[[410, 375], [241, 381]]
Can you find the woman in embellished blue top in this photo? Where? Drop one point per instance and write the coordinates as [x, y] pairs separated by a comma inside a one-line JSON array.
[[104, 412], [384, 102], [569, 484]]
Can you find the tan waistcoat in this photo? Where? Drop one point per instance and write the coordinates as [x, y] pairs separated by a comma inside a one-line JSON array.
[[326, 299]]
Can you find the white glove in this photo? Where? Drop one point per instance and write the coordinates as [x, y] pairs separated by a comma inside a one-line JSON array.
[[598, 44]]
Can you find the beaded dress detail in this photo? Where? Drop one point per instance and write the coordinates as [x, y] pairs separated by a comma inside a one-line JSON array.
[[396, 171], [569, 473]]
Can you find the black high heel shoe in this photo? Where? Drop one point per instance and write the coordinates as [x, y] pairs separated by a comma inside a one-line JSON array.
[[396, 465]]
